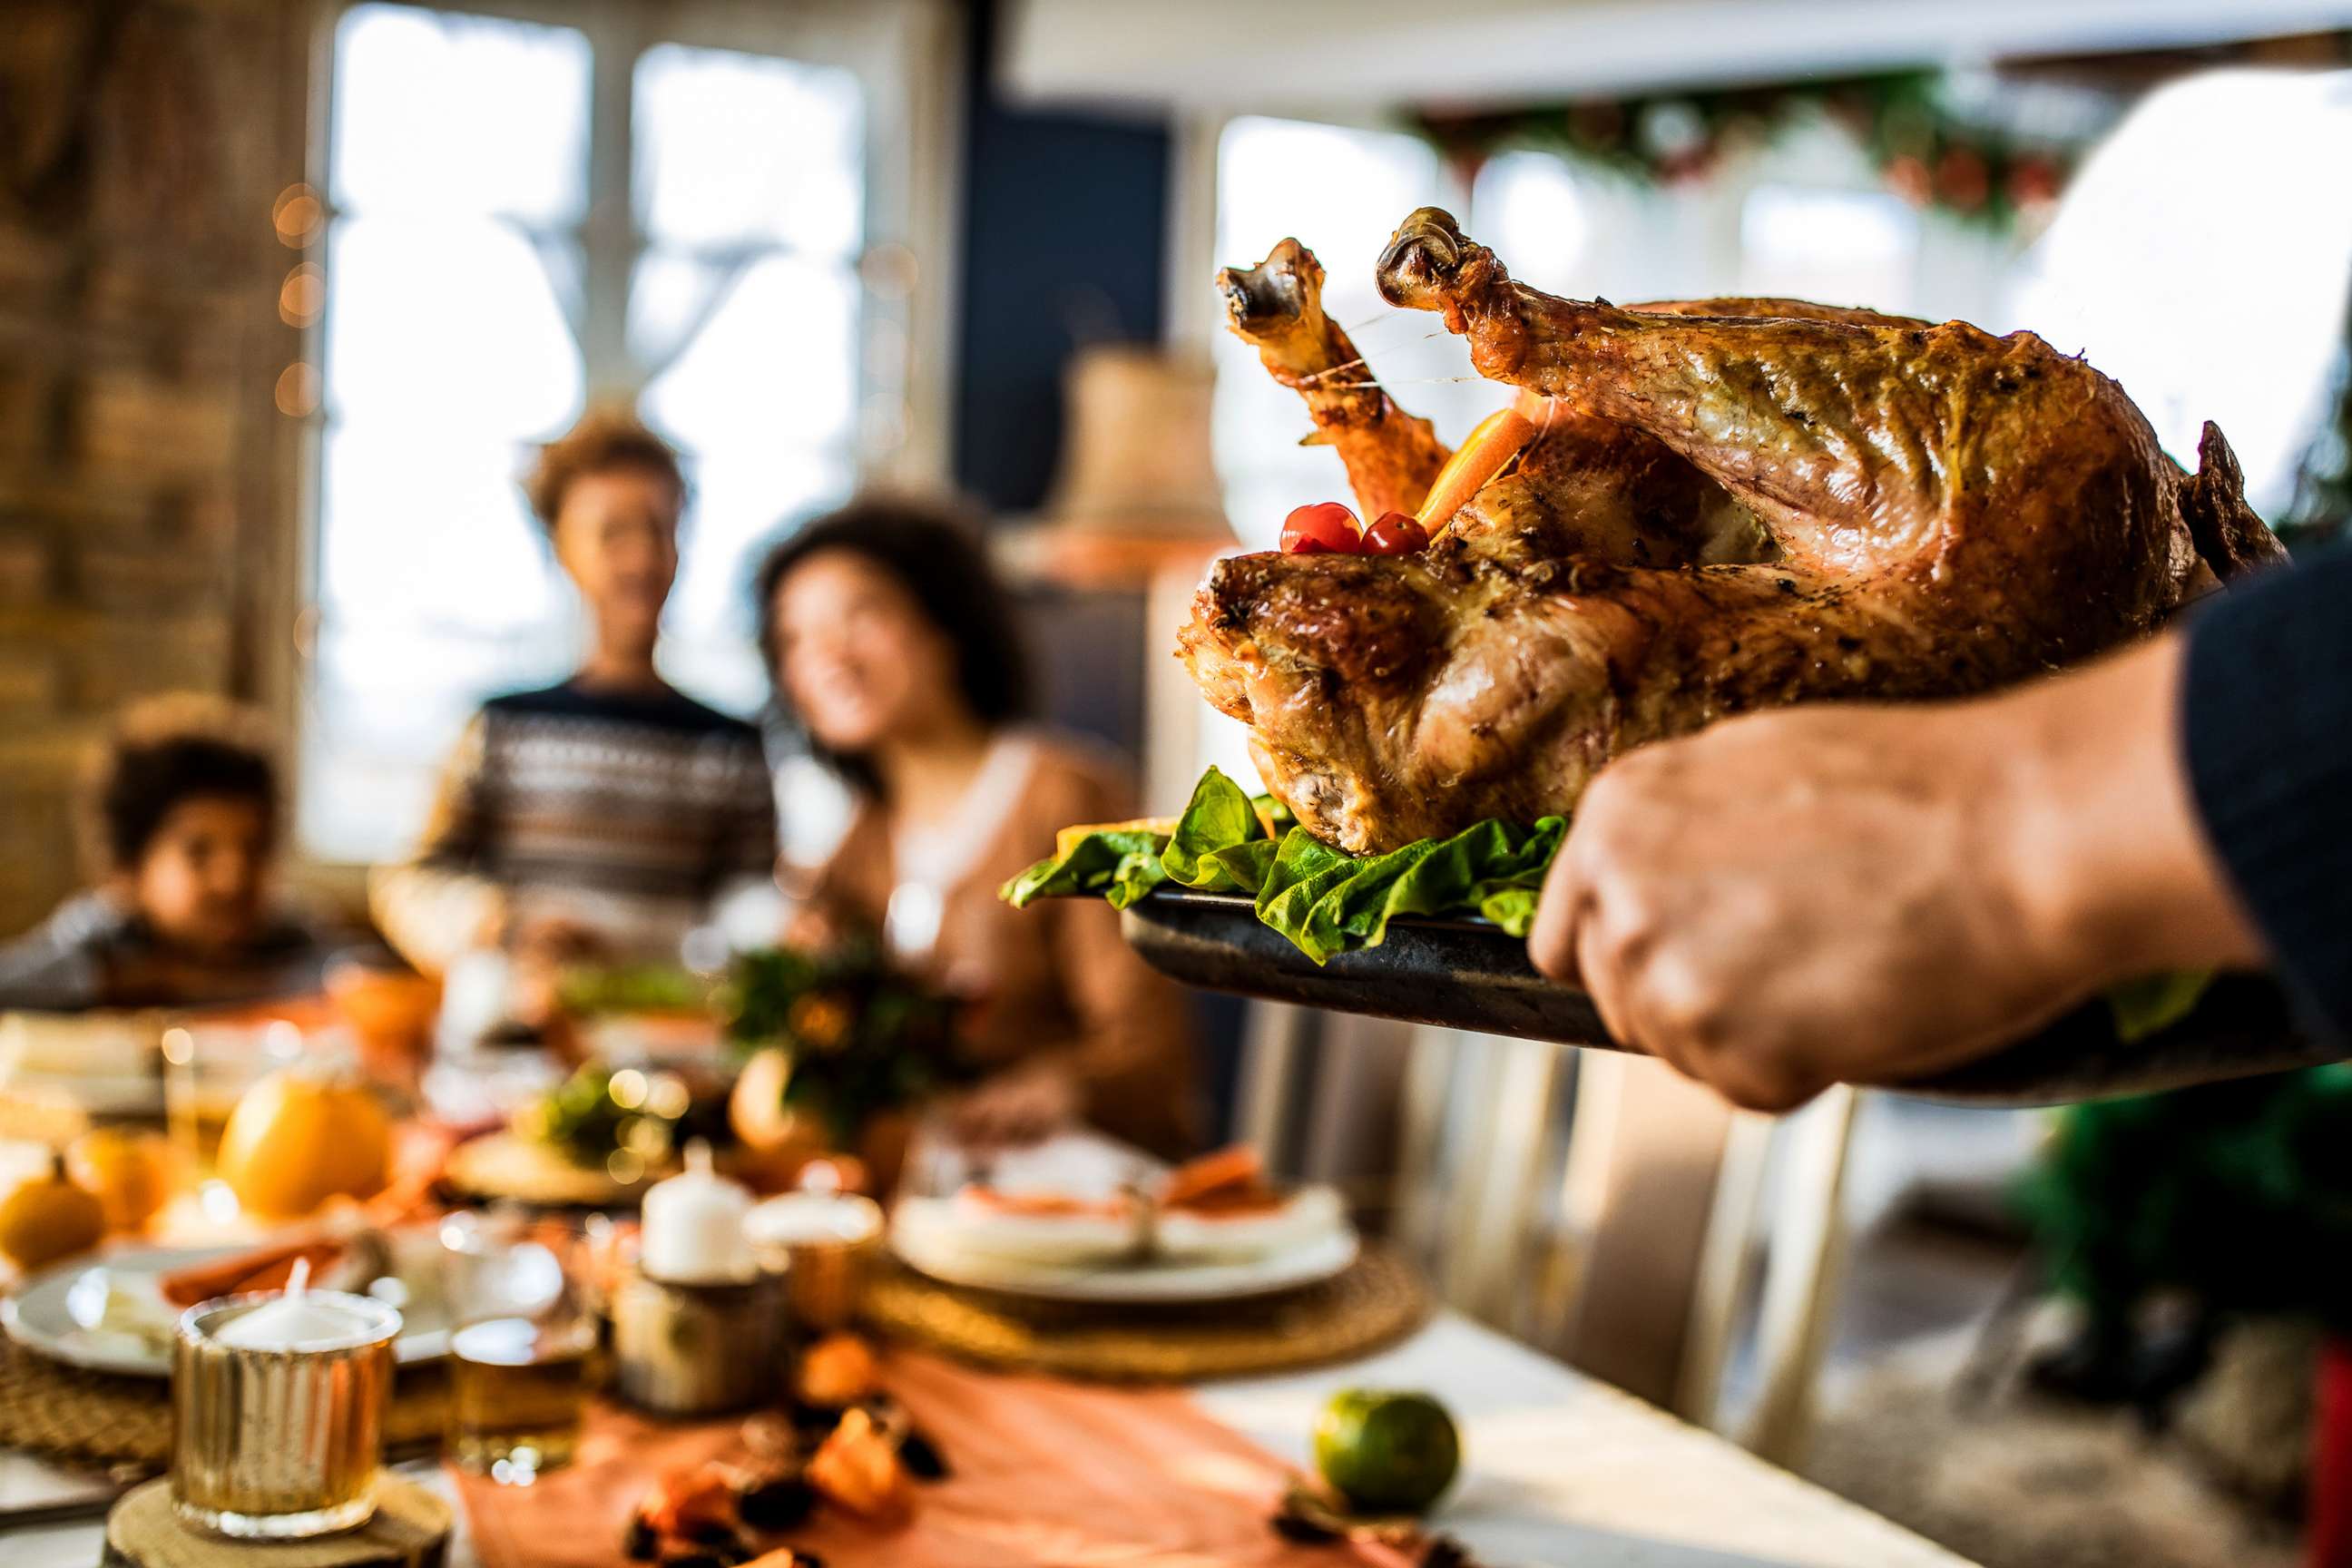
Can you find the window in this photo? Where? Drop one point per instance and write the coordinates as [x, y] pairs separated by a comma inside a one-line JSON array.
[[490, 265], [1837, 246], [1537, 214]]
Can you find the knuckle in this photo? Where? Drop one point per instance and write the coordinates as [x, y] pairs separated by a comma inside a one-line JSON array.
[[1765, 1081]]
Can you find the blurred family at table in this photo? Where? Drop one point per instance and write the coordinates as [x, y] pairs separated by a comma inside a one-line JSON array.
[[604, 818]]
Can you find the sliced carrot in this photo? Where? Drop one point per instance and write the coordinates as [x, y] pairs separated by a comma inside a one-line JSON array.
[[1495, 441], [1234, 1166], [263, 1269]]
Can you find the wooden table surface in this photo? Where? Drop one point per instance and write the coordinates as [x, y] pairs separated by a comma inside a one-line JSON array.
[[1559, 1469]]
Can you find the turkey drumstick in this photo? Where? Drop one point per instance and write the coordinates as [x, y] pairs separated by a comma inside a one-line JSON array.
[[1277, 307]]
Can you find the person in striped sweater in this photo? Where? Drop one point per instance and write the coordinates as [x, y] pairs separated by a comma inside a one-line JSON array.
[[608, 815]]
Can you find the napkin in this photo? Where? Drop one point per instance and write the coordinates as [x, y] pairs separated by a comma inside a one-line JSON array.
[[1041, 1471]]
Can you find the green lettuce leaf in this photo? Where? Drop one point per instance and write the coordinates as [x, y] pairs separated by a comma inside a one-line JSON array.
[[1329, 902], [1324, 901], [1218, 820], [2148, 1007], [1122, 865]]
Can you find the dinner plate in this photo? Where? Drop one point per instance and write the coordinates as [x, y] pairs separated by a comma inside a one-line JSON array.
[[1474, 975], [42, 1315], [922, 1234]]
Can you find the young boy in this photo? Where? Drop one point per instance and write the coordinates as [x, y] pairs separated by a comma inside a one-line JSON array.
[[181, 813], [611, 814]]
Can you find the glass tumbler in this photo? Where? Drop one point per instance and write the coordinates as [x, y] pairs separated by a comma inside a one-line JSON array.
[[522, 1357]]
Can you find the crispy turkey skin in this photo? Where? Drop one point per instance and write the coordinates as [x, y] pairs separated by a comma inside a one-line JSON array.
[[1733, 504]]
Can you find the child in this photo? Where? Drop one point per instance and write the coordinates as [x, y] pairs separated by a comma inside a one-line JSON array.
[[609, 816], [181, 813]]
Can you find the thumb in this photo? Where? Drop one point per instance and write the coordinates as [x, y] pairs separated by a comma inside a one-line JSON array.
[[1551, 940]]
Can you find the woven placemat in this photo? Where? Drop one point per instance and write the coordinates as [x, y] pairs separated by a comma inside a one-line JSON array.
[[93, 1417], [1376, 1300]]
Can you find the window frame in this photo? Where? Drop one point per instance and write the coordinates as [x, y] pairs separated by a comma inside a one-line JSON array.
[[907, 56]]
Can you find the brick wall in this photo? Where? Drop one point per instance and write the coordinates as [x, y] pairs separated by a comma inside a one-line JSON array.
[[146, 478]]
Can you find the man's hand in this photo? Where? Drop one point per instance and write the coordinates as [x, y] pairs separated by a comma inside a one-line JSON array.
[[1865, 894]]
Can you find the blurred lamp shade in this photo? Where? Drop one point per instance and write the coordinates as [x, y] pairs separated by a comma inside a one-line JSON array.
[[1136, 487]]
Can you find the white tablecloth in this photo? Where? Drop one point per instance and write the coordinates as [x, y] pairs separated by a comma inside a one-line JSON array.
[[1559, 1470]]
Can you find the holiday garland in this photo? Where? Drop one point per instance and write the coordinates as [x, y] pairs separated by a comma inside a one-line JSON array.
[[1924, 148]]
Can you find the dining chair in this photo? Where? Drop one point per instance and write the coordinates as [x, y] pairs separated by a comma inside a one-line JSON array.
[[1591, 1202]]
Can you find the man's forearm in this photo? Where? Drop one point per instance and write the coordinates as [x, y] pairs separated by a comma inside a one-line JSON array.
[[2111, 861]]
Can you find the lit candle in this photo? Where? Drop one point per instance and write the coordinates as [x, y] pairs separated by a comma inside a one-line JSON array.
[[292, 1321], [693, 1231], [798, 1219]]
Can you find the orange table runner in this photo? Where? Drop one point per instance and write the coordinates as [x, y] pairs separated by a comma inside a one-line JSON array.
[[1042, 1472]]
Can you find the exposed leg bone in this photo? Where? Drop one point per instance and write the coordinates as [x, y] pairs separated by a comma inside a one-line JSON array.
[[1277, 307]]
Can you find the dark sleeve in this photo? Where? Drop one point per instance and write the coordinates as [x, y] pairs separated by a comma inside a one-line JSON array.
[[2268, 728], [59, 966]]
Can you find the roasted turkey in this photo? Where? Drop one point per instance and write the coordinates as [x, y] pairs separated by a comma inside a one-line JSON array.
[[1732, 504]]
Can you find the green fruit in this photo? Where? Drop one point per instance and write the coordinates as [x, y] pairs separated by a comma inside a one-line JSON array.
[[1387, 1453]]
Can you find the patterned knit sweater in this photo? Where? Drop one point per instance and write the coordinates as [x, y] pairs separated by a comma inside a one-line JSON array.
[[632, 814]]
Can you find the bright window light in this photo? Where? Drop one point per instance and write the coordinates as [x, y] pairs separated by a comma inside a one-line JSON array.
[[458, 302], [1832, 247], [2200, 260], [1532, 209]]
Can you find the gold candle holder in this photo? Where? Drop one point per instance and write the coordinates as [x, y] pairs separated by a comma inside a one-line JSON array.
[[280, 1440], [824, 1245], [698, 1349]]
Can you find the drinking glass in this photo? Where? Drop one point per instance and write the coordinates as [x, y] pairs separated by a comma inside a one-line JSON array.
[[522, 1354], [207, 1067]]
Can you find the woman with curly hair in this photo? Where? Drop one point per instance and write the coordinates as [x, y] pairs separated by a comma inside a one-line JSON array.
[[888, 636]]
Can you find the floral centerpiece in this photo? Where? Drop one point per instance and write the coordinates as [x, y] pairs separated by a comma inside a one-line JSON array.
[[839, 1046]]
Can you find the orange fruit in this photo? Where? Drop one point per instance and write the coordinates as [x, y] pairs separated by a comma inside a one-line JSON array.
[[296, 1140], [129, 1173], [756, 1111]]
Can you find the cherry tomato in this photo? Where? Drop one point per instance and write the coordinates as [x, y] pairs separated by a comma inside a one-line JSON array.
[[1396, 533], [1325, 526]]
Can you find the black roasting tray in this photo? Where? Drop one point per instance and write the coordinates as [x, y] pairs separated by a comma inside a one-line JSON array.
[[1468, 974]]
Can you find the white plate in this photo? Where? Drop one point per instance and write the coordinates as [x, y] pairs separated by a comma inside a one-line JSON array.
[[922, 1234], [38, 1318]]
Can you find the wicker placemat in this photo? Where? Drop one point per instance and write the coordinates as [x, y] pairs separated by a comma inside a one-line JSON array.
[[502, 1165], [92, 1417], [1375, 1300]]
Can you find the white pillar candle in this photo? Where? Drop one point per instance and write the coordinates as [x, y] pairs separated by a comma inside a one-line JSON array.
[[292, 1321], [693, 1225]]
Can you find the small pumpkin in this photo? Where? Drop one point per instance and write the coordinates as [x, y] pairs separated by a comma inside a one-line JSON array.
[[296, 1140], [129, 1173], [46, 1217]]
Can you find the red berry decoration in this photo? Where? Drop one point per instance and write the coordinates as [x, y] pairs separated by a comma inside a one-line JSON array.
[[1396, 533], [1327, 526]]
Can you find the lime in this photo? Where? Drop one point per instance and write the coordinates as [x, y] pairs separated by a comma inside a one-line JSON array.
[[1387, 1452]]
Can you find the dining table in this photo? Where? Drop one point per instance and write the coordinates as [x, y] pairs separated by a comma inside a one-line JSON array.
[[1559, 1469]]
